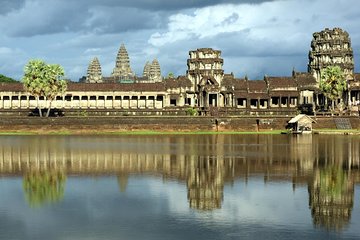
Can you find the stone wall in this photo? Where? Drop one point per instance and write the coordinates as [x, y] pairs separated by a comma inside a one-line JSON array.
[[158, 123]]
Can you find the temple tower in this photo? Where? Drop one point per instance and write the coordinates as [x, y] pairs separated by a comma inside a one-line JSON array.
[[155, 71], [204, 63], [146, 72], [329, 48], [122, 67], [94, 72], [206, 74]]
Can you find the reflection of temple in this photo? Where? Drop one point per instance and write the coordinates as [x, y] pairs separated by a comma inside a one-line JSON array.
[[331, 195], [206, 183], [205, 163]]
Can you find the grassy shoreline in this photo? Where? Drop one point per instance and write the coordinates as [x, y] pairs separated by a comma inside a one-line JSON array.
[[154, 132]]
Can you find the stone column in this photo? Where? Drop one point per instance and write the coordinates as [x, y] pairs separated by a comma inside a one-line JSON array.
[[317, 100], [1, 102], [71, 102], [10, 100], [96, 101], [88, 104], [288, 101], [113, 102]]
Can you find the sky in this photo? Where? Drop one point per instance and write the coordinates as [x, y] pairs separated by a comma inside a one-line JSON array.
[[256, 37]]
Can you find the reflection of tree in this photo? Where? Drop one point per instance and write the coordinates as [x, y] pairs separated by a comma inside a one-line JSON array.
[[205, 184], [331, 198], [43, 187], [122, 181]]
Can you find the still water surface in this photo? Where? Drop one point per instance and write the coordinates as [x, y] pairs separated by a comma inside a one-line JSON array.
[[180, 187]]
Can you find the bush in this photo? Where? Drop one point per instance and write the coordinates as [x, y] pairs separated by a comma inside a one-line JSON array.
[[191, 112]]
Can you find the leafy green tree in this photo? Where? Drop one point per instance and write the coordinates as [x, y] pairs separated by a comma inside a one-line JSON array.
[[333, 84], [170, 75], [5, 79], [44, 80]]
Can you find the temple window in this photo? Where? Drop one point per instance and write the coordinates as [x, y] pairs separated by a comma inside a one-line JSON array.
[[173, 102], [263, 103], [275, 101], [241, 102], [253, 103]]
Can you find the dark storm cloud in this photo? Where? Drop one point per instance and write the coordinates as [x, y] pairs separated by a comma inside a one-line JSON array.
[[10, 5], [40, 17], [166, 5]]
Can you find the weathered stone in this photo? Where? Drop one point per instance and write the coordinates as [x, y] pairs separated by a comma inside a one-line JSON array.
[[94, 72], [122, 68], [146, 72], [204, 63], [155, 71], [331, 48]]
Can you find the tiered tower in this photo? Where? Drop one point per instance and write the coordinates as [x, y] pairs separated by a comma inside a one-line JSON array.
[[122, 67], [146, 72], [329, 48], [203, 63], [94, 72], [155, 71], [152, 71]]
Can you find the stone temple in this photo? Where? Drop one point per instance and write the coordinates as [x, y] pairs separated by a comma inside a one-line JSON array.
[[94, 72], [122, 68], [204, 87], [331, 48]]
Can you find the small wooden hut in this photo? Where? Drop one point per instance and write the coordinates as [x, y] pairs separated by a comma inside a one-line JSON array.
[[301, 124]]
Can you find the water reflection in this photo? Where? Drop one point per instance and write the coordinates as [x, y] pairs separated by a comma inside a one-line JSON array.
[[331, 195], [43, 187], [328, 165]]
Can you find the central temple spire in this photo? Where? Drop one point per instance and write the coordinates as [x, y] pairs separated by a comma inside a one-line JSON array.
[[122, 67]]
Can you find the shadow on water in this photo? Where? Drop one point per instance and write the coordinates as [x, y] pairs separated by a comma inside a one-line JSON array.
[[328, 165]]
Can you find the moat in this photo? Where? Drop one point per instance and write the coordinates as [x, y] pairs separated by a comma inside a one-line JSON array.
[[180, 187]]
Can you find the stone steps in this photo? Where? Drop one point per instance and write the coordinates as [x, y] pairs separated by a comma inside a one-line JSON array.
[[342, 123]]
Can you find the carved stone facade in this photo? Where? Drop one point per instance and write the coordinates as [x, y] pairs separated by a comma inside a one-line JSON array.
[[146, 72], [331, 48], [152, 72], [155, 72], [205, 63], [122, 68], [94, 72]]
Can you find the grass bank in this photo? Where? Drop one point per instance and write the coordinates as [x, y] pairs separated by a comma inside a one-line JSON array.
[[134, 132]]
